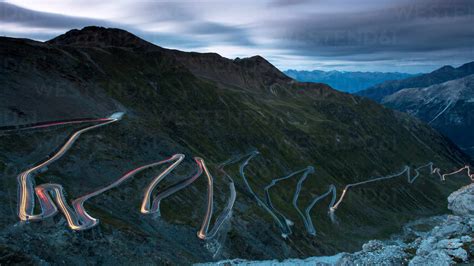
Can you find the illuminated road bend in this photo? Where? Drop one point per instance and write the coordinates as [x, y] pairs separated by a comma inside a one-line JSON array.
[[227, 211], [86, 220], [283, 222], [149, 207], [305, 172], [60, 123], [203, 232], [26, 201], [310, 227], [284, 227], [299, 185], [410, 179]]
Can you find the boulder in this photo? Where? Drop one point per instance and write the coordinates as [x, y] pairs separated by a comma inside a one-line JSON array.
[[449, 244], [435, 257], [453, 226], [426, 246], [380, 255], [458, 253], [372, 245], [461, 202]]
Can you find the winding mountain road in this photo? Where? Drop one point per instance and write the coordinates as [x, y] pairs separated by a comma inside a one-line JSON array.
[[26, 200], [78, 218], [406, 170], [284, 222], [51, 197], [284, 227], [268, 198]]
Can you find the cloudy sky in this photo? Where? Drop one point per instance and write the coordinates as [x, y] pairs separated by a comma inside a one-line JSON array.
[[358, 35]]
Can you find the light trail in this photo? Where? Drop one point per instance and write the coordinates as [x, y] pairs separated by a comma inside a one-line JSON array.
[[26, 201], [333, 205], [8, 129], [406, 170], [88, 221], [154, 207], [78, 218], [227, 211]]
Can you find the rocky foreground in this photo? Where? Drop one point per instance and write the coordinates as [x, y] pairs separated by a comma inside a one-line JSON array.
[[439, 240]]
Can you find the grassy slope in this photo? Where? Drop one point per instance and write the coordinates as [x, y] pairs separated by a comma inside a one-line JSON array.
[[346, 138]]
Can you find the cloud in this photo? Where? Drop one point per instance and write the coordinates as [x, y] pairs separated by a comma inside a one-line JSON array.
[[428, 30], [286, 3], [188, 33], [405, 35], [28, 18]]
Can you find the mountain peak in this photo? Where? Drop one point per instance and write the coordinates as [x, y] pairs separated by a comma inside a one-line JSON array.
[[101, 37], [262, 66], [253, 60], [444, 69]]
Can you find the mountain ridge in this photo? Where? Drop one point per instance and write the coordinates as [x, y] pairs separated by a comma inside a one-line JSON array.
[[347, 81], [93, 36], [440, 75], [446, 106]]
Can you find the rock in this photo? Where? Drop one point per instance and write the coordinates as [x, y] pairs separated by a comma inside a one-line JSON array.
[[372, 245], [466, 239], [320, 261], [471, 249], [436, 257], [471, 224], [415, 244], [458, 253], [426, 246], [449, 244], [386, 255], [461, 202], [453, 226]]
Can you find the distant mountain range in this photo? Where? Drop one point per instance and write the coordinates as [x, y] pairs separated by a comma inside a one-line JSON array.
[[443, 98], [345, 80], [378, 92], [448, 107]]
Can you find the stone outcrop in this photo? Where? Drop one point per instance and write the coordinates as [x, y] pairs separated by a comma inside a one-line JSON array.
[[461, 202]]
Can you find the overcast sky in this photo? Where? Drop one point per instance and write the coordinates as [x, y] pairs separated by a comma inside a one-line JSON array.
[[359, 35]]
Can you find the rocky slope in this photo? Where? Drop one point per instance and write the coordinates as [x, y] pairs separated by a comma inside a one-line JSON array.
[[208, 106], [447, 107], [439, 240], [346, 80], [446, 73]]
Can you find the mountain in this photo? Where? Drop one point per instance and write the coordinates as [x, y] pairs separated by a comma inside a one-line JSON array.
[[345, 80], [446, 73], [215, 108], [447, 107]]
